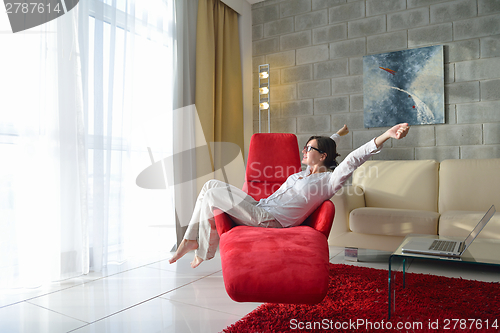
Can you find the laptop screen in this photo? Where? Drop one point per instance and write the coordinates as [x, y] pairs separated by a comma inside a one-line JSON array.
[[473, 234]]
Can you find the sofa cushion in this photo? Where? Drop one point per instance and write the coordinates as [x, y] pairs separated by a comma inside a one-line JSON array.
[[469, 185], [460, 224], [399, 184], [393, 222]]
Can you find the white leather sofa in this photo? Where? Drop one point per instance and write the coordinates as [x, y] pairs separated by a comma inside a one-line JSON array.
[[391, 199]]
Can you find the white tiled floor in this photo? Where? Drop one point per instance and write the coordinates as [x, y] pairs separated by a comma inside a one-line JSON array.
[[150, 295]]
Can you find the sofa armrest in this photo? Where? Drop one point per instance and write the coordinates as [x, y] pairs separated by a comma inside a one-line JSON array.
[[345, 200], [223, 222]]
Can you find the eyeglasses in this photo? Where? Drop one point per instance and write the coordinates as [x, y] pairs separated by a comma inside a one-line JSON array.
[[309, 148]]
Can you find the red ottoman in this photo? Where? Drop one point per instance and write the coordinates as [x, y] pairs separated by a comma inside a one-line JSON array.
[[275, 265]]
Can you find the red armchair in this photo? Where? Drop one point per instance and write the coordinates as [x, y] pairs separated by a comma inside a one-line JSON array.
[[287, 265]]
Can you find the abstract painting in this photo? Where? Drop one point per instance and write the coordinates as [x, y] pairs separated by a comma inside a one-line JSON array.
[[404, 86]]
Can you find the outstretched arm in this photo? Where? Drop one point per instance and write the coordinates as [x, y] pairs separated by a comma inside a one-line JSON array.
[[396, 132], [363, 153], [343, 131]]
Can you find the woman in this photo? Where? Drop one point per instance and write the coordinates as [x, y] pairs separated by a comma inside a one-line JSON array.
[[290, 205]]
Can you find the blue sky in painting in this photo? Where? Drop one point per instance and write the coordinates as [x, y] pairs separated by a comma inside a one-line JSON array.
[[410, 90]]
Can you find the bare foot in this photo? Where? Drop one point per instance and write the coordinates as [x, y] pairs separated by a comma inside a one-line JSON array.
[[185, 246], [196, 261]]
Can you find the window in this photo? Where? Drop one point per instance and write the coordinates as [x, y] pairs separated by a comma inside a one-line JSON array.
[[130, 95], [124, 81]]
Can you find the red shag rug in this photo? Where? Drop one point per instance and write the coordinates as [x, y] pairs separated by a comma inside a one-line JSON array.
[[357, 302]]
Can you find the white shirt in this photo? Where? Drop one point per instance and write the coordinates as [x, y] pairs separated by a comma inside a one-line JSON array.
[[303, 192]]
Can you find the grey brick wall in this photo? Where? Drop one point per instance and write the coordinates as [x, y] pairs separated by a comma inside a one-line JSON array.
[[315, 49]]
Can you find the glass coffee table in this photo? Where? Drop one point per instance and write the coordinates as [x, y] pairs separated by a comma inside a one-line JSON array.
[[481, 251]]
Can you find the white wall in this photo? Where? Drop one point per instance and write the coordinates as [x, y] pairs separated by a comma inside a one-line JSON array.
[[315, 49]]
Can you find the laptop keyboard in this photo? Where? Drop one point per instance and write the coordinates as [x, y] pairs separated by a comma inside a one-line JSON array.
[[440, 245]]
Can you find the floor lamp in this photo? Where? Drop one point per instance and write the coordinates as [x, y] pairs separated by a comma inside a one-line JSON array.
[[264, 95]]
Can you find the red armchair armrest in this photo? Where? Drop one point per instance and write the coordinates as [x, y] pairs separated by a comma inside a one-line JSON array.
[[322, 218], [223, 222]]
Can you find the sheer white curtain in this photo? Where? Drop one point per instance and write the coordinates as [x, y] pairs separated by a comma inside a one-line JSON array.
[[42, 144], [128, 64], [82, 99]]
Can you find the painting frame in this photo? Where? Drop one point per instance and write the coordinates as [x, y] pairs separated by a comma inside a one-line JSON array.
[[404, 87]]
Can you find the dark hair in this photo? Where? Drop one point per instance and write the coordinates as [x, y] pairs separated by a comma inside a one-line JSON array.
[[328, 146]]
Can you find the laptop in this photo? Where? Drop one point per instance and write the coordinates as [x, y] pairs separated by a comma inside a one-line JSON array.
[[447, 248]]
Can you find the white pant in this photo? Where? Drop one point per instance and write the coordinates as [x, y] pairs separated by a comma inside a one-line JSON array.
[[236, 203]]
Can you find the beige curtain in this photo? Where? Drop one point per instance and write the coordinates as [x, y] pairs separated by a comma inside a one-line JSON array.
[[219, 93]]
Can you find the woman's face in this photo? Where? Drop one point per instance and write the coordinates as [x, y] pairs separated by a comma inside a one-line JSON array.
[[312, 157]]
